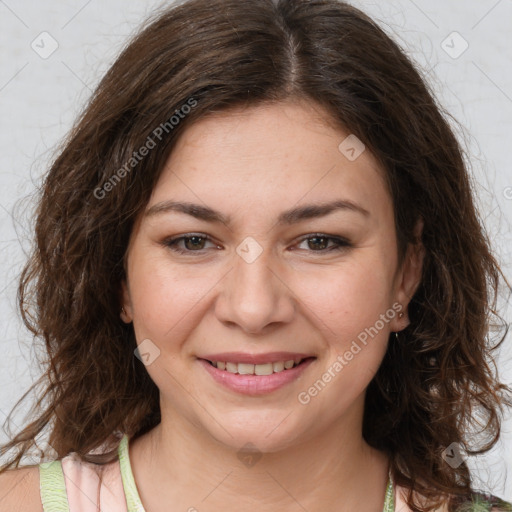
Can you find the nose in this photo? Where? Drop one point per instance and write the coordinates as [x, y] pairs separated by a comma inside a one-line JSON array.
[[255, 295]]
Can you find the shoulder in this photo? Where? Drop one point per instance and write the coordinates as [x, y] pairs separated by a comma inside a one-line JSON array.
[[19, 490]]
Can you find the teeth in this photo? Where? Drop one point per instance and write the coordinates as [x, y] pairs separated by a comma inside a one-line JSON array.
[[232, 367], [256, 369], [245, 369], [278, 366], [264, 369]]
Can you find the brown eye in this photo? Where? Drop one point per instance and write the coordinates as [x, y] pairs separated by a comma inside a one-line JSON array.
[[320, 243], [194, 242], [191, 243]]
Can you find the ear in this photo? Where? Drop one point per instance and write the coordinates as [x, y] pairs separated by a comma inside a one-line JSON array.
[[126, 304], [409, 276]]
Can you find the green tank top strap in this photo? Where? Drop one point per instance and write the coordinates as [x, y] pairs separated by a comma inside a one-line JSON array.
[[133, 502], [53, 487], [389, 501]]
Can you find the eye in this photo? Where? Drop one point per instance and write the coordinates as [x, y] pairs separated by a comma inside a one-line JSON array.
[[319, 242], [192, 243]]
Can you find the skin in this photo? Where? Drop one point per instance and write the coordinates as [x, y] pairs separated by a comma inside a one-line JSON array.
[[297, 296]]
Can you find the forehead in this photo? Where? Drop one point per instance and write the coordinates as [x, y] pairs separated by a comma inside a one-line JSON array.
[[270, 156]]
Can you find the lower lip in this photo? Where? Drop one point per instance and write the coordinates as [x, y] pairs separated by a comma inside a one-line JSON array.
[[255, 384]]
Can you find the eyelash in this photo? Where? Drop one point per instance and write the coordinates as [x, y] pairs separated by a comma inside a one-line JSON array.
[[340, 244]]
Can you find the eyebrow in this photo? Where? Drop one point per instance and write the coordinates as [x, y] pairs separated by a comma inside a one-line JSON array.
[[291, 216]]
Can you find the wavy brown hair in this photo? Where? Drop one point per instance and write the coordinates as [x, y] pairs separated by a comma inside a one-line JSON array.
[[437, 380]]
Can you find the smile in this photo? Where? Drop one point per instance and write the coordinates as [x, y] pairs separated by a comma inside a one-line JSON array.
[[255, 379], [256, 369]]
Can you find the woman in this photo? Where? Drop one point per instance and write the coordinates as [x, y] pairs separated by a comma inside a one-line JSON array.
[[260, 278]]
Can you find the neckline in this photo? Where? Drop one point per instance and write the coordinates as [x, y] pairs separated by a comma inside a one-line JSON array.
[[134, 503]]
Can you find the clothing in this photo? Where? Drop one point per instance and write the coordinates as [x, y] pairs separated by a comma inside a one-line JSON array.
[[71, 485]]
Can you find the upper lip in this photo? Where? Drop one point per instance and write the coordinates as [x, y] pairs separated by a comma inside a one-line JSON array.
[[243, 357]]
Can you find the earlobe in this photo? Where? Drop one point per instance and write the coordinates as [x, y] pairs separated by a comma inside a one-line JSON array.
[[411, 270], [126, 309]]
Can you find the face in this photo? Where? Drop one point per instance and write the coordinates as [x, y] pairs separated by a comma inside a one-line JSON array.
[[262, 272]]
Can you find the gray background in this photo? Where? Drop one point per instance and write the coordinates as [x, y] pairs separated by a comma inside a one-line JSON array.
[[40, 97]]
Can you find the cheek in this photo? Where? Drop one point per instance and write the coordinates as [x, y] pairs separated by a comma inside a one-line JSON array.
[[349, 299], [165, 298], [349, 310]]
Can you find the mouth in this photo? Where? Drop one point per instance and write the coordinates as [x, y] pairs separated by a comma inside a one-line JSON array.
[[256, 379], [257, 369]]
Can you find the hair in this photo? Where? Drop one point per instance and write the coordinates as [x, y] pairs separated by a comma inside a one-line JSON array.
[[219, 55]]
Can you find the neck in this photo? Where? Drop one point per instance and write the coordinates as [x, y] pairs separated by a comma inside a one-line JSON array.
[[180, 466]]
